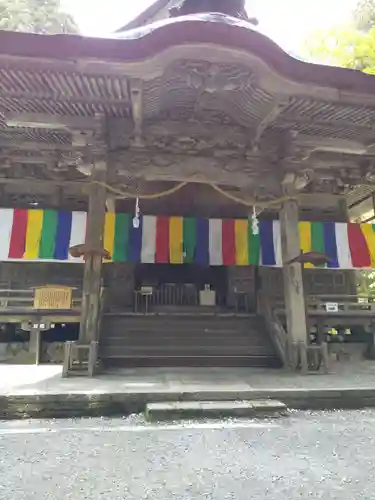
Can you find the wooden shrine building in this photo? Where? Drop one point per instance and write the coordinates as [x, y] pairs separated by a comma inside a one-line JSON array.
[[186, 184]]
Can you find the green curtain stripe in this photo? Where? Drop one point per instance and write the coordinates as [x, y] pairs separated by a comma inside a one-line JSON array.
[[317, 238], [253, 245], [121, 245], [48, 237], [189, 239]]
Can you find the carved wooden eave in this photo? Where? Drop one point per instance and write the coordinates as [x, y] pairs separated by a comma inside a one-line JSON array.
[[202, 98]]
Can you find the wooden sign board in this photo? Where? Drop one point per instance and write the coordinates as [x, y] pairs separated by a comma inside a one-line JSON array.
[[53, 297]]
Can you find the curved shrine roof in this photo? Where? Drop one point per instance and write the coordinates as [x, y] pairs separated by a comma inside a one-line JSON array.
[[214, 29]]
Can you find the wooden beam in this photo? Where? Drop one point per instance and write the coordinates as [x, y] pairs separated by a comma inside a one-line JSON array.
[[330, 144], [48, 157], [32, 160], [42, 182], [361, 200], [291, 120], [50, 121], [56, 97], [177, 128], [93, 265], [319, 200], [34, 145]]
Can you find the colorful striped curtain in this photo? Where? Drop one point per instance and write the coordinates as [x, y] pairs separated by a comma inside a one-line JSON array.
[[48, 234], [40, 234]]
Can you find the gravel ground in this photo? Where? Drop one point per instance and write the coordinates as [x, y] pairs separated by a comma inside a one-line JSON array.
[[306, 456]]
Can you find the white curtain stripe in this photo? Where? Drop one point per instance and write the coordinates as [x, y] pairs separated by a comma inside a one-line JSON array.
[[148, 240], [6, 224], [343, 248], [78, 232], [216, 242]]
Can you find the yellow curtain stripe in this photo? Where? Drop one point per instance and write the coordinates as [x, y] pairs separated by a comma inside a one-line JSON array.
[[109, 232], [369, 234], [33, 233], [242, 242], [305, 238], [176, 231]]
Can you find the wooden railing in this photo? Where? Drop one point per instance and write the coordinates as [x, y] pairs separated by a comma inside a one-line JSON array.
[[275, 328], [301, 356], [175, 295], [341, 304], [332, 305], [166, 295]]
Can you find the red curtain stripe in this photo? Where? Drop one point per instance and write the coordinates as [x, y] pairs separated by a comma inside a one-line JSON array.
[[162, 240], [358, 246], [229, 243], [18, 236]]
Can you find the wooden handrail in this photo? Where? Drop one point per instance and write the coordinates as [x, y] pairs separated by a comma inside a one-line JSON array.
[[295, 355], [348, 305], [28, 291], [339, 297], [275, 328]]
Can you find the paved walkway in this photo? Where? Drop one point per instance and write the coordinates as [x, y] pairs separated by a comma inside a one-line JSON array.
[[46, 380]]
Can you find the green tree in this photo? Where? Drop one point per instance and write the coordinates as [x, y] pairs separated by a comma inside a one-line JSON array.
[[343, 46], [364, 15], [352, 45], [35, 16], [366, 283]]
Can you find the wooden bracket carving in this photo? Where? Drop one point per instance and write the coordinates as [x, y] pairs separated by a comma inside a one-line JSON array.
[[293, 182], [84, 250], [136, 99], [212, 79], [276, 108], [315, 258]]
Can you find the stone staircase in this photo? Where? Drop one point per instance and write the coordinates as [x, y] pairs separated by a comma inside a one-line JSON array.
[[188, 339]]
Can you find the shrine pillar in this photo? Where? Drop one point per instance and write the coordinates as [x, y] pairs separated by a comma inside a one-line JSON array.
[[92, 278], [295, 306]]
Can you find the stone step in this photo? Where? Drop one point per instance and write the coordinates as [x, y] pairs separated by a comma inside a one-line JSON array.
[[181, 361], [214, 409]]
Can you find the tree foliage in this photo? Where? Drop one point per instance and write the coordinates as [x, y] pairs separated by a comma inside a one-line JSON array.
[[344, 46], [364, 15], [366, 283], [352, 45], [35, 16]]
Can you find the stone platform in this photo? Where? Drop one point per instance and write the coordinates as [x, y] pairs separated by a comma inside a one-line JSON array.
[[182, 410], [36, 391]]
